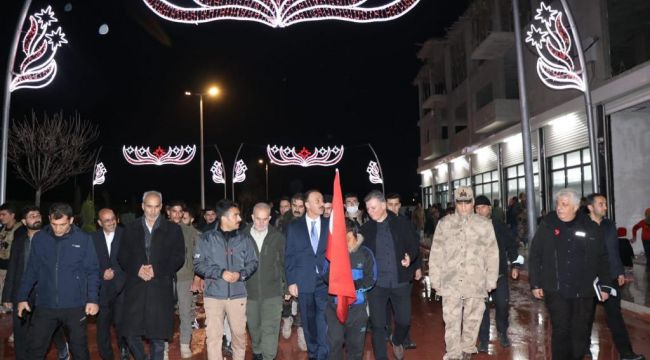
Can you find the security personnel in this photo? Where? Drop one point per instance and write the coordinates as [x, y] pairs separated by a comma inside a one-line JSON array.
[[464, 268]]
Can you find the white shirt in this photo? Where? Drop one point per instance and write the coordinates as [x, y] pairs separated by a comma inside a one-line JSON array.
[[259, 236], [317, 224], [109, 240]]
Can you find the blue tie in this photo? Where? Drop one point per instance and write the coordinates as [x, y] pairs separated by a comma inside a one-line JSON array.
[[313, 234]]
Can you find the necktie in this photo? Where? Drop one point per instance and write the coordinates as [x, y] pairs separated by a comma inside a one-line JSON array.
[[313, 234]]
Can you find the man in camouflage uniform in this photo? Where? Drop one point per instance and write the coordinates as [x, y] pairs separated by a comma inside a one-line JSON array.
[[463, 267]]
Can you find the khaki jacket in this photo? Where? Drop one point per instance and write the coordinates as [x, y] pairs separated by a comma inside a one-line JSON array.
[[464, 258]]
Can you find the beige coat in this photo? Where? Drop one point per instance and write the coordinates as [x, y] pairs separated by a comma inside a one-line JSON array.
[[464, 258]]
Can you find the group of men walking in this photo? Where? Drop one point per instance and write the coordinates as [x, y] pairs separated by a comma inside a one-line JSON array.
[[132, 278]]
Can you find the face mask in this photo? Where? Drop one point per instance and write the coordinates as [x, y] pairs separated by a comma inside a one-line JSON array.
[[352, 209]]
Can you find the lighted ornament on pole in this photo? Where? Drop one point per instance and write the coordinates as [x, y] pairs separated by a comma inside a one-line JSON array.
[[219, 172], [100, 174], [174, 155], [557, 70], [280, 13], [288, 156], [37, 70]]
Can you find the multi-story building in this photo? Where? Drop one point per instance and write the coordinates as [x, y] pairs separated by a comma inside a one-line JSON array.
[[470, 132]]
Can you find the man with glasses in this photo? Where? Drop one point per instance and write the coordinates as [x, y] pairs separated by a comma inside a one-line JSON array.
[[267, 286], [464, 268]]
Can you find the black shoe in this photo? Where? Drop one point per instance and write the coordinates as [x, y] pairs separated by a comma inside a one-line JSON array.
[[632, 356], [483, 346], [64, 353], [409, 344], [226, 348], [258, 357], [503, 339], [124, 354]]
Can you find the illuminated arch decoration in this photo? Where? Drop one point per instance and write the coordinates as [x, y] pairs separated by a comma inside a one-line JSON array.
[[39, 45], [280, 13], [217, 173], [174, 155], [552, 41], [287, 156], [373, 173], [240, 172], [99, 175]]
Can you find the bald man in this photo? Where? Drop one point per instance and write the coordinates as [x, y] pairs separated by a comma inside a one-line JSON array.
[[107, 243]]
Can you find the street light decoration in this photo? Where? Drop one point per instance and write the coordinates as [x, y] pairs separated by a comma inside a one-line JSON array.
[[373, 173], [552, 42], [174, 155], [99, 175], [217, 173], [39, 45], [280, 13], [240, 172], [287, 156]]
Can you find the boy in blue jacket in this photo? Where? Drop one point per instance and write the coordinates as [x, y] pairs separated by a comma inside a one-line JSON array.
[[352, 333]]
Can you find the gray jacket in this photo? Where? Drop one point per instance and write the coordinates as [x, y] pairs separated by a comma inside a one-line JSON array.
[[216, 252]]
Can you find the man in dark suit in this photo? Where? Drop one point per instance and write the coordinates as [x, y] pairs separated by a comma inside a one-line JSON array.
[[107, 244], [151, 251], [304, 256]]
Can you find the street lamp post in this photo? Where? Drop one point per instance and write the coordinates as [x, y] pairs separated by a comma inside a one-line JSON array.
[[213, 92], [266, 172]]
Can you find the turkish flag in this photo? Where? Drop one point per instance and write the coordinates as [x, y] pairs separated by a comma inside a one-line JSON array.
[[341, 283]]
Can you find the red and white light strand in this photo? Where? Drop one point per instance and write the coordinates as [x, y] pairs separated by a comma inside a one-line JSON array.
[[99, 176], [286, 156], [373, 173], [240, 172], [174, 155], [280, 13], [217, 173], [552, 41], [39, 45]]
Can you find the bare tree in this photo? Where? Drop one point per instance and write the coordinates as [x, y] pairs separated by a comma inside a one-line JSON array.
[[47, 153]]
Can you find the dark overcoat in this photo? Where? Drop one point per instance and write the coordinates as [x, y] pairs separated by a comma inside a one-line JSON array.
[[149, 305]]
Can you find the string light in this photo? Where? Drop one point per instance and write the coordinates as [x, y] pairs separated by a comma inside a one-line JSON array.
[[39, 45], [280, 13], [217, 173], [240, 172], [286, 156], [552, 41], [174, 155], [99, 176], [373, 173]]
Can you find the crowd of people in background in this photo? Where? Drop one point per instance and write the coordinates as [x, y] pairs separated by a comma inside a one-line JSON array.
[[265, 273]]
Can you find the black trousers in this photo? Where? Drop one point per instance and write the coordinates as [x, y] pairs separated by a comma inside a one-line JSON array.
[[45, 322], [352, 333], [108, 316], [569, 322], [21, 327], [156, 350], [615, 322], [400, 298], [501, 299]]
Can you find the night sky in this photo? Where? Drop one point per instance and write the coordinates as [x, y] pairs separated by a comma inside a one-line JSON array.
[[311, 84]]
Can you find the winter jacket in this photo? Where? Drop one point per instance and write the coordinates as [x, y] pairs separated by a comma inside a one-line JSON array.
[[507, 246], [464, 258], [64, 270], [190, 236], [269, 279], [364, 271], [404, 239], [217, 252], [550, 252]]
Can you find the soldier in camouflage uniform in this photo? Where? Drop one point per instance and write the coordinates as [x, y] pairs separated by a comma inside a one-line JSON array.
[[463, 267]]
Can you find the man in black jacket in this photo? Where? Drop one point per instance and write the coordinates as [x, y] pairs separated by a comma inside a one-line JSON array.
[[32, 222], [395, 246], [107, 244], [567, 254], [597, 205], [500, 295]]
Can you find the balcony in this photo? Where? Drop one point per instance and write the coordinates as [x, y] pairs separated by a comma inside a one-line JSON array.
[[497, 114], [437, 98], [434, 149], [494, 45], [459, 140]]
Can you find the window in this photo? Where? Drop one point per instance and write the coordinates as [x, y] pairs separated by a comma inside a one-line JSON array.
[[445, 133], [427, 193], [487, 184], [516, 182], [442, 194], [571, 170], [484, 96], [461, 182]]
